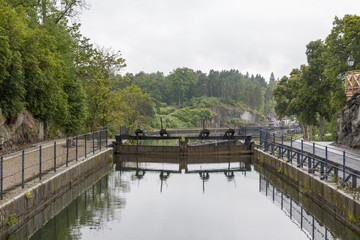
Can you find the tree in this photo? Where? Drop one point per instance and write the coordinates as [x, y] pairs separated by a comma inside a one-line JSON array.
[[317, 81], [136, 107], [178, 84], [268, 97], [12, 86], [102, 88]]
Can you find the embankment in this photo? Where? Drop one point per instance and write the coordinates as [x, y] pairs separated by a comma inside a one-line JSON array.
[[31, 208], [340, 203]]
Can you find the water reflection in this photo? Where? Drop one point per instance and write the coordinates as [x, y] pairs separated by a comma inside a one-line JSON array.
[[189, 198], [297, 207], [165, 165], [301, 217]]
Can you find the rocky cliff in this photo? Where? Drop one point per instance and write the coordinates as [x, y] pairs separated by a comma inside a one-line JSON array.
[[23, 129], [225, 113], [348, 123]]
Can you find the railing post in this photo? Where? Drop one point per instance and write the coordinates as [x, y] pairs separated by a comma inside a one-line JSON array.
[[273, 144], [344, 160], [326, 159], [100, 131], [260, 139], [322, 168], [76, 154], [22, 168], [55, 156], [282, 146], [67, 152], [106, 137], [291, 149], [302, 152], [266, 141], [336, 169], [2, 177], [93, 142], [85, 145], [40, 162], [354, 180], [313, 154]]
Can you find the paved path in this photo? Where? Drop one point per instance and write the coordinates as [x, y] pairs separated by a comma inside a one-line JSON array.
[[335, 154]]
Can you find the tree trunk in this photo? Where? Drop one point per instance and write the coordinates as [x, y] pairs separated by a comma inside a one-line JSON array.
[[322, 134], [304, 130], [310, 133], [179, 102], [44, 11]]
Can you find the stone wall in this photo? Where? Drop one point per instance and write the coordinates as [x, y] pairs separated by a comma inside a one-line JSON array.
[[344, 206], [348, 123], [30, 202], [224, 112], [23, 129]]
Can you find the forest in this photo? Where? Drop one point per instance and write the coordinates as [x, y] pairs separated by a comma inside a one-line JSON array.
[[50, 69], [314, 93]]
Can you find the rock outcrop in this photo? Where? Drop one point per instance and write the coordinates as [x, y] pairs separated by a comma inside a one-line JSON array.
[[23, 129], [348, 123], [224, 112]]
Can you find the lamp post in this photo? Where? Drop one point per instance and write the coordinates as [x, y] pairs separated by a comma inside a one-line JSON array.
[[352, 79], [350, 61]]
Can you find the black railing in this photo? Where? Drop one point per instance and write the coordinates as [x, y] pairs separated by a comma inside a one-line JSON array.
[[20, 167], [331, 163], [307, 222]]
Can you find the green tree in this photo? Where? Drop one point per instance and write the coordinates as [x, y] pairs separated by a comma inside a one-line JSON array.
[[178, 84], [102, 87], [136, 107]]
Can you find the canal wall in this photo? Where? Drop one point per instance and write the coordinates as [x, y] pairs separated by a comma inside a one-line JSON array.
[[182, 150], [316, 222], [29, 210], [342, 204]]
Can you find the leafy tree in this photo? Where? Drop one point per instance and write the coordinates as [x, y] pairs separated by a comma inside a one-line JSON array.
[[103, 95], [12, 87], [178, 84], [137, 107]]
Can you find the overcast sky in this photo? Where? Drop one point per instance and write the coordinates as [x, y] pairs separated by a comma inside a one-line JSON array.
[[255, 36]]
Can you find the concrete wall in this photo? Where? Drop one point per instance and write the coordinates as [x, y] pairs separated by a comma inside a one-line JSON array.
[[345, 206], [50, 192], [183, 150]]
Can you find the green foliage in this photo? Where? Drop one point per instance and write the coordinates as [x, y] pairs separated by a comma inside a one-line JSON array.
[[314, 93], [37, 71], [137, 107], [103, 94], [12, 220], [193, 116], [28, 195], [187, 88]]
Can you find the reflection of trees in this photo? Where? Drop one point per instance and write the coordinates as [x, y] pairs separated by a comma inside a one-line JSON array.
[[93, 208]]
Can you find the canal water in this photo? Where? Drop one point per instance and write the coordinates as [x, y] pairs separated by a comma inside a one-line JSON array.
[[191, 198]]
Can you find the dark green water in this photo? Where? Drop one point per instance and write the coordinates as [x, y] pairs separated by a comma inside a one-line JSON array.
[[199, 198]]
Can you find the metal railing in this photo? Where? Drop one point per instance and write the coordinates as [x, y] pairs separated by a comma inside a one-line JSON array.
[[307, 222], [331, 163], [254, 131], [20, 167]]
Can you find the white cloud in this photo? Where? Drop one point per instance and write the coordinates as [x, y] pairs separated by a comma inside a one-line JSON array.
[[257, 36]]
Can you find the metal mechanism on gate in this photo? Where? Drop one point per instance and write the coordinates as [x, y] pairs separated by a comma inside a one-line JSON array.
[[163, 131], [204, 134]]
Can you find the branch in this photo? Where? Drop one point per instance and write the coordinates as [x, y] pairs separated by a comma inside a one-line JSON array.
[[65, 11]]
